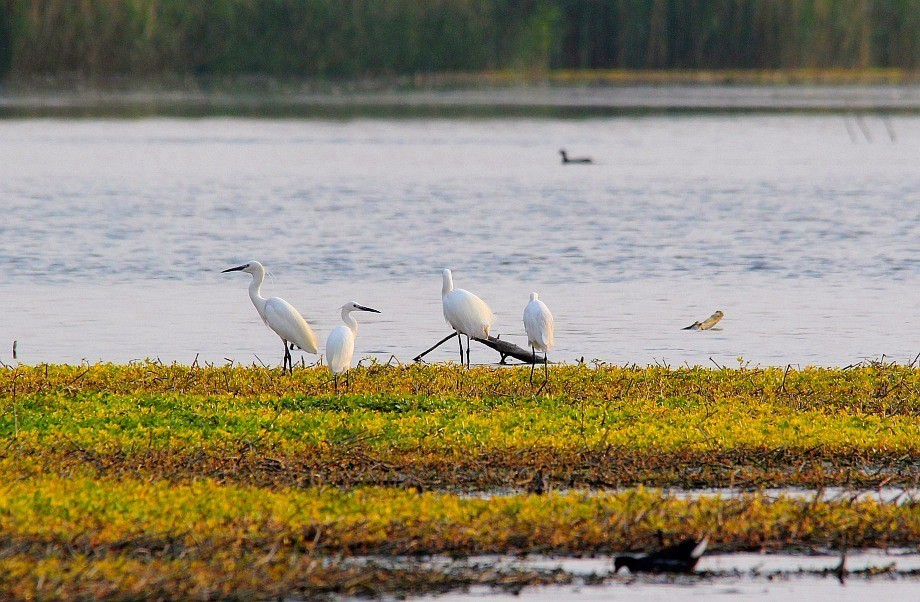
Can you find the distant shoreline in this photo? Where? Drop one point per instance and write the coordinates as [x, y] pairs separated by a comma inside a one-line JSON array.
[[505, 93], [493, 78]]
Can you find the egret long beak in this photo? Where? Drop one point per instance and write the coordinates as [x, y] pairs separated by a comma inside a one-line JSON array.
[[238, 268], [362, 308]]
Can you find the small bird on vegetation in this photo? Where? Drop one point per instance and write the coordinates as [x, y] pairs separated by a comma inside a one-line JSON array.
[[538, 323], [579, 160], [340, 344], [465, 312], [278, 314], [679, 558], [707, 323]]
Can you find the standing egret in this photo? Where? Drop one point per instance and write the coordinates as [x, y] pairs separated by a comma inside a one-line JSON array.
[[278, 314], [465, 312], [538, 323], [340, 345]]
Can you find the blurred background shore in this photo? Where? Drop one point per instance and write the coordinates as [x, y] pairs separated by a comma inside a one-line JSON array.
[[402, 44]]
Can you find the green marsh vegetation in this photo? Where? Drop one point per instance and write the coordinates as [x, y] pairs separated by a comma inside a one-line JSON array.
[[357, 38], [592, 426], [228, 481]]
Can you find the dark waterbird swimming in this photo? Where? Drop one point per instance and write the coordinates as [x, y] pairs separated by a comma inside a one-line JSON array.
[[679, 558], [566, 159]]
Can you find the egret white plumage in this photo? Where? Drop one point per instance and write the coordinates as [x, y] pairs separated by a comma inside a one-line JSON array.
[[539, 326], [278, 314], [340, 345], [465, 312]]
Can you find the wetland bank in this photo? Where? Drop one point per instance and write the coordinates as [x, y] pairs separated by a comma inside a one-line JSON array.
[[230, 481]]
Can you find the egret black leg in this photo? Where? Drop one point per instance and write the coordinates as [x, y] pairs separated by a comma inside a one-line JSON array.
[[545, 373], [460, 341], [287, 359], [347, 381], [335, 383], [533, 361], [467, 351]]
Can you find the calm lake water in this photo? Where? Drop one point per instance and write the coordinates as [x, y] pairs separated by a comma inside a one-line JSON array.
[[802, 228]]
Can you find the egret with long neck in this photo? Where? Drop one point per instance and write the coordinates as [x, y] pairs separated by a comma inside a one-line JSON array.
[[340, 345], [279, 315], [465, 312]]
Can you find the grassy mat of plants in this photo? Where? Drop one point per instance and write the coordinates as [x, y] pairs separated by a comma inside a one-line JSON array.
[[231, 482]]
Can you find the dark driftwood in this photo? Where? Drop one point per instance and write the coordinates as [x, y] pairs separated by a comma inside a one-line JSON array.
[[419, 357], [504, 348]]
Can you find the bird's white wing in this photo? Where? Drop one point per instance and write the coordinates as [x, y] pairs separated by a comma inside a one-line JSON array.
[[288, 324], [340, 347], [700, 548], [467, 313], [539, 325]]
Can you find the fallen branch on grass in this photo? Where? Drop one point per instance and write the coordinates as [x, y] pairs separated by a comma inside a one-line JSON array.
[[504, 348]]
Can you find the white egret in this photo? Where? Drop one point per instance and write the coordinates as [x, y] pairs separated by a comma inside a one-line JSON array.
[[278, 314], [340, 345], [538, 323], [465, 312]]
